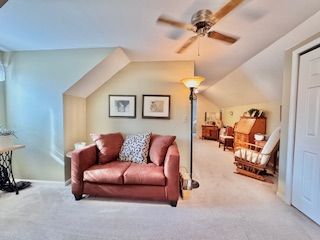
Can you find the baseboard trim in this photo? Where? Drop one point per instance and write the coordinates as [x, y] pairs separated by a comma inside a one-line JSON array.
[[42, 181], [282, 197]]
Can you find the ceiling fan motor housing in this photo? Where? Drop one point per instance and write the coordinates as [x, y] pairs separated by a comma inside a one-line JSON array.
[[203, 20]]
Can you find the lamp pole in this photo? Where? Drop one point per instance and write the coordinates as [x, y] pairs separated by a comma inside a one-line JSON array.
[[192, 83], [195, 184]]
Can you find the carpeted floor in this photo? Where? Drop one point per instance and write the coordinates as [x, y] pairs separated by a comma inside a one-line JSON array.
[[226, 206]]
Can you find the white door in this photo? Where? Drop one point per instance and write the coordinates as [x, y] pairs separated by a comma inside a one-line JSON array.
[[306, 170]]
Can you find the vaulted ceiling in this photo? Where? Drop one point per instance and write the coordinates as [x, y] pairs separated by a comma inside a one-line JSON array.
[[60, 24]]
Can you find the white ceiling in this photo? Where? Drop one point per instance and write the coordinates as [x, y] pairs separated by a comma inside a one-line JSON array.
[[131, 24]]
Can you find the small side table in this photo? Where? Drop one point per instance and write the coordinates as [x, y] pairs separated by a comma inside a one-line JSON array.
[[69, 154], [7, 182]]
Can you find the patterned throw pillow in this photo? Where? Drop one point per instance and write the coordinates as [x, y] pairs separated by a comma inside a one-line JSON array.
[[135, 148]]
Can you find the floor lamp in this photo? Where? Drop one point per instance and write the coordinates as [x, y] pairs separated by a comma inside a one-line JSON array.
[[192, 83]]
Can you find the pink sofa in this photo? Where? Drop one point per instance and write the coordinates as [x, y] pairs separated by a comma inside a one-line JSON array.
[[127, 180]]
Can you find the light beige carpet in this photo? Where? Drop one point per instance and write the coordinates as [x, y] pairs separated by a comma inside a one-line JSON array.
[[226, 206]]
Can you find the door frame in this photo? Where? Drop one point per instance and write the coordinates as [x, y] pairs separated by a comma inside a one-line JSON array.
[[293, 114]]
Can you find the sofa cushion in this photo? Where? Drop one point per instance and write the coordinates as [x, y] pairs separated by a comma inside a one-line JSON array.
[[109, 146], [144, 174], [135, 148], [158, 148], [111, 173]]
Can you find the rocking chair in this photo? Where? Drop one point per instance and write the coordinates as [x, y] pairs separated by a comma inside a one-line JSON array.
[[253, 163]]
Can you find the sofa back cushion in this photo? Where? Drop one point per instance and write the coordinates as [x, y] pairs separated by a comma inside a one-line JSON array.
[[109, 146], [135, 148], [158, 148]]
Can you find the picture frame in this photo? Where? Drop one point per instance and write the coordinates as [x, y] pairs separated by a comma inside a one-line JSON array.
[[156, 106], [122, 106]]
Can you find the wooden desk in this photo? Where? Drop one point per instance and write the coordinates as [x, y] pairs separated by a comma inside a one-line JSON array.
[[210, 132], [7, 182], [246, 128]]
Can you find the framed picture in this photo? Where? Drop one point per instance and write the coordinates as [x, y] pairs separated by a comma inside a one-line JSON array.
[[122, 106], [156, 106]]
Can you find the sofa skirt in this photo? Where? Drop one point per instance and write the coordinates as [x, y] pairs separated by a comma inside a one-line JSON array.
[[141, 192]]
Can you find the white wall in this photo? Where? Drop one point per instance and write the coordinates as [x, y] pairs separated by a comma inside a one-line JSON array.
[[285, 115], [2, 104], [271, 112], [146, 78], [34, 98], [2, 98]]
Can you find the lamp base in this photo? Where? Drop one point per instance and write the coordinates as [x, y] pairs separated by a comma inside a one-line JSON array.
[[195, 184]]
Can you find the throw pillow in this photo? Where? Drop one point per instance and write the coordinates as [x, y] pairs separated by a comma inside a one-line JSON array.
[[109, 146], [158, 148], [135, 148]]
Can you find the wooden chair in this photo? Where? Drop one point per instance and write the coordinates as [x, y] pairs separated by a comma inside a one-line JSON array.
[[252, 163], [226, 138]]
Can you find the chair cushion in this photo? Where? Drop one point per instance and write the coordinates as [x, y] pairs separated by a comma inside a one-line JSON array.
[[145, 174], [135, 148], [111, 173], [272, 141], [109, 146], [158, 148], [226, 137], [252, 156], [222, 132]]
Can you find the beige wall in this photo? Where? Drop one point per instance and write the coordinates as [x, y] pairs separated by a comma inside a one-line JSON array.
[[271, 111], [145, 78], [203, 105], [74, 125], [285, 115], [74, 121]]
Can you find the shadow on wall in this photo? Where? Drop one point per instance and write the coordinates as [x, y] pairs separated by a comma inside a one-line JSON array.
[[241, 88]]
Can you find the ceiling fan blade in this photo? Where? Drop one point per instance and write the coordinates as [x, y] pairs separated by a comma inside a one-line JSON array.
[[222, 37], [174, 23], [187, 44], [2, 2], [226, 9]]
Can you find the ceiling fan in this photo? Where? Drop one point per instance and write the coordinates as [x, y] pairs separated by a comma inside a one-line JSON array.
[[201, 23], [2, 2]]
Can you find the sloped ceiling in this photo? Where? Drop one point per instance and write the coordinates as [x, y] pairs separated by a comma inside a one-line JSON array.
[[47, 24], [97, 76], [260, 78]]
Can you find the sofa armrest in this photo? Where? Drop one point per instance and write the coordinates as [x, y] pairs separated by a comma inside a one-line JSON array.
[[81, 160], [171, 172]]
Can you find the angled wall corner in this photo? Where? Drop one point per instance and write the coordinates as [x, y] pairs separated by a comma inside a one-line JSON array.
[[100, 74], [74, 99]]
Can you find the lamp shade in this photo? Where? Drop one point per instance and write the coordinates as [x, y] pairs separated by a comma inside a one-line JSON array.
[[192, 82]]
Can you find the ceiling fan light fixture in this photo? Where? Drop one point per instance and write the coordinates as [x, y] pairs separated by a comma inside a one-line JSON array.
[[201, 23]]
